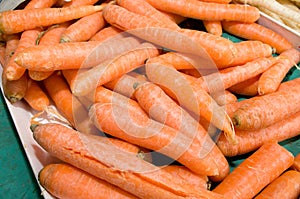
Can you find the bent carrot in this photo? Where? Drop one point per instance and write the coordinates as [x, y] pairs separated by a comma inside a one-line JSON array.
[[54, 177], [35, 96], [247, 87], [250, 140], [286, 186], [270, 80], [106, 33], [267, 109], [15, 21], [255, 31], [113, 68], [142, 7], [84, 28], [213, 27], [256, 172], [95, 155], [207, 10]]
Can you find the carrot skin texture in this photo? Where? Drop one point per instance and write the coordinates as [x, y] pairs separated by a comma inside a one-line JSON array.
[[40, 4], [286, 186], [248, 87], [106, 33], [35, 96], [34, 18], [54, 177], [213, 27], [266, 164], [2, 53], [296, 164]]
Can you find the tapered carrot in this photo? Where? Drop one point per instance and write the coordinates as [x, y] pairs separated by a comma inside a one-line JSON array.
[[114, 68], [286, 186], [84, 28], [54, 177], [296, 164], [213, 27], [251, 140], [35, 96], [207, 10], [248, 87], [142, 7], [28, 39], [70, 107], [14, 21], [271, 78], [106, 33], [255, 172], [267, 109], [255, 31], [190, 96], [225, 97], [162, 108], [95, 155]]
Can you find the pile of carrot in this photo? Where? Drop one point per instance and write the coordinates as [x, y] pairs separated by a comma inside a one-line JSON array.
[[150, 107]]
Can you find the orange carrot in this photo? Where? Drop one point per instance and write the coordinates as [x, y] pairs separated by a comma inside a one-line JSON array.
[[75, 3], [54, 177], [265, 110], [190, 96], [179, 61], [286, 186], [70, 107], [84, 28], [2, 53], [114, 68], [35, 96], [251, 140], [255, 172], [14, 21], [271, 78], [225, 97], [28, 39], [207, 10], [217, 1], [163, 109], [106, 33], [142, 7], [40, 4], [296, 164], [248, 87], [174, 17], [95, 155], [258, 32], [213, 27]]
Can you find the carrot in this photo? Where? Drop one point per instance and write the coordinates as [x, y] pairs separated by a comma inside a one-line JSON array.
[[142, 7], [213, 27], [75, 3], [250, 140], [174, 17], [255, 172], [265, 110], [28, 39], [163, 109], [225, 97], [54, 177], [271, 78], [296, 164], [255, 31], [216, 1], [39, 4], [247, 87], [73, 55], [180, 61], [67, 104], [113, 68], [190, 96], [15, 21], [106, 33], [84, 28], [286, 186], [35, 96], [95, 155], [2, 53], [207, 10]]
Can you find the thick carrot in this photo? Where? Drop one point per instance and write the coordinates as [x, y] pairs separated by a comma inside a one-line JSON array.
[[35, 96], [248, 87], [40, 4], [256, 172], [28, 39], [265, 110], [286, 186], [208, 10], [251, 140], [106, 33], [84, 28], [296, 164], [95, 155], [70, 107], [270, 80], [15, 21], [55, 177], [213, 27], [255, 31], [142, 7], [113, 68], [190, 96]]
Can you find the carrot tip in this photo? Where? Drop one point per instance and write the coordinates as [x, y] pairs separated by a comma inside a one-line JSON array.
[[33, 127]]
